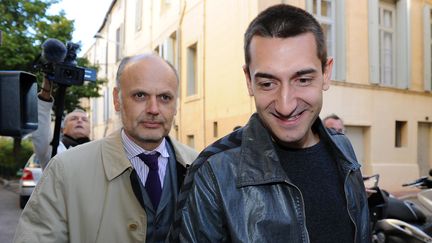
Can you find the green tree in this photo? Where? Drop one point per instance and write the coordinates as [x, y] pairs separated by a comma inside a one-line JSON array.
[[25, 25], [10, 162]]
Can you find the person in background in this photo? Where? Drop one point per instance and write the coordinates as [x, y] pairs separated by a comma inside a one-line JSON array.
[[236, 127], [122, 188], [282, 177], [335, 122], [76, 128]]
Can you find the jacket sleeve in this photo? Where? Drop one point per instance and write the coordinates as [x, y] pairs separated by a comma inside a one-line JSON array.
[[42, 137], [202, 214], [44, 218]]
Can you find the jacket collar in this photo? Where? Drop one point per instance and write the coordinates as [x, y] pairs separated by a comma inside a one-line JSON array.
[[114, 157], [259, 162], [341, 146], [183, 154]]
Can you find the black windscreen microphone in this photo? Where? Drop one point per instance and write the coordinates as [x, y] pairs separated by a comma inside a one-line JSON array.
[[53, 51]]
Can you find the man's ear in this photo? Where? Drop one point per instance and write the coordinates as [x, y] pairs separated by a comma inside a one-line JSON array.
[[116, 99], [327, 73], [248, 79]]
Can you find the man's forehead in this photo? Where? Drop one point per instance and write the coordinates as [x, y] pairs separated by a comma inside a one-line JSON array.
[[77, 114]]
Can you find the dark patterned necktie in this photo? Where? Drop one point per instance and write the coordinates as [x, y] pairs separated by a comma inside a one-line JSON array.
[[152, 184]]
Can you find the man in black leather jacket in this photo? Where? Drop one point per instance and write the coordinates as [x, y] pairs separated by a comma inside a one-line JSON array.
[[282, 177]]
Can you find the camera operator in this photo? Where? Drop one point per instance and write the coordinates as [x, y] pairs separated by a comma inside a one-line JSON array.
[[76, 129]]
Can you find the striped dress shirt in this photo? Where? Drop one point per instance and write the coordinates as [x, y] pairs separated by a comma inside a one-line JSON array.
[[132, 152]]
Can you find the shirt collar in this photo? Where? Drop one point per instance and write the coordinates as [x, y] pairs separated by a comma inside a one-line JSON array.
[[132, 149]]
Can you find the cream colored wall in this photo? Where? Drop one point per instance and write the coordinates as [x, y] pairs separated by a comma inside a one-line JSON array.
[[191, 120], [226, 99], [357, 67], [167, 21], [379, 109], [218, 27]]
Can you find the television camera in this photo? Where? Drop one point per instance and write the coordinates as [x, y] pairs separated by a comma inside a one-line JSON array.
[[58, 62], [18, 89]]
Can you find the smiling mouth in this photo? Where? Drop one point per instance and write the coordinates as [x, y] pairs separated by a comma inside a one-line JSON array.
[[292, 118], [289, 118]]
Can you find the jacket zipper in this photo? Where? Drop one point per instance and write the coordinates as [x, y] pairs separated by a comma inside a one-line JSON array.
[[303, 210], [349, 213]]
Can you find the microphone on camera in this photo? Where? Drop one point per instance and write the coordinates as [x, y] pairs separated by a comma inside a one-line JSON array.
[[53, 51]]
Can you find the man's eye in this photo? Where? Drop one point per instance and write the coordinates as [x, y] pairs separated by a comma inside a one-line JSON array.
[[304, 81], [165, 98], [266, 85], [139, 95]]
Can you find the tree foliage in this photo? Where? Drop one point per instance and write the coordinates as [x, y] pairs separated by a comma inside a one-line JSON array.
[[11, 162], [25, 25]]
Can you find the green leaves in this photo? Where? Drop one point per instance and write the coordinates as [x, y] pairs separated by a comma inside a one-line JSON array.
[[26, 25]]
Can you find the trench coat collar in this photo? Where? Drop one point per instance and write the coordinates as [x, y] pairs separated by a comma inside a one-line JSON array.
[[115, 161], [114, 157]]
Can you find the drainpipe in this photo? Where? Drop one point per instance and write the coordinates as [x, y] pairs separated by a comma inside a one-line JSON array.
[[204, 70]]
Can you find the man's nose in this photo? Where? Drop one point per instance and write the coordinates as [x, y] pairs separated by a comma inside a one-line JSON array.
[[286, 101], [152, 105], [82, 120]]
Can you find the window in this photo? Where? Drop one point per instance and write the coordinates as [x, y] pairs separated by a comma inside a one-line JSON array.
[[138, 15], [215, 129], [192, 70], [168, 49], [191, 141], [427, 45], [387, 33], [95, 116], [331, 15], [324, 12], [389, 43], [401, 134], [118, 42]]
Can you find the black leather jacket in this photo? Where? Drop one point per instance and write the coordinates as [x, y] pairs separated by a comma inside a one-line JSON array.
[[237, 191]]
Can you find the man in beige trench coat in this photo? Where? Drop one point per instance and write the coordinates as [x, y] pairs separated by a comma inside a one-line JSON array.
[[102, 191]]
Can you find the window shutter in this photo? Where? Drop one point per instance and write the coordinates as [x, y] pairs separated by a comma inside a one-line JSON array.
[[403, 47], [340, 58], [373, 18]]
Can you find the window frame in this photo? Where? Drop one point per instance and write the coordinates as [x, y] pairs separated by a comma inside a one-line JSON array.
[[338, 42], [192, 70], [385, 6], [403, 43]]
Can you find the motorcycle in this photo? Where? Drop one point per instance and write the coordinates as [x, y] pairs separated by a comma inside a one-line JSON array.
[[424, 197], [395, 220]]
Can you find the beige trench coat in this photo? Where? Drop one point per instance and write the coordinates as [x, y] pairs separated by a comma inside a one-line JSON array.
[[85, 195]]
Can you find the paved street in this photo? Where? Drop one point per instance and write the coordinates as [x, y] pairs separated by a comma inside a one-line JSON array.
[[9, 211]]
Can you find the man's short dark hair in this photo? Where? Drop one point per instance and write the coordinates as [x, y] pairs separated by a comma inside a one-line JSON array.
[[283, 21]]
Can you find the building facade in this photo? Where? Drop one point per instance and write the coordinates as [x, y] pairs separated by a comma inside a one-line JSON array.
[[381, 82]]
